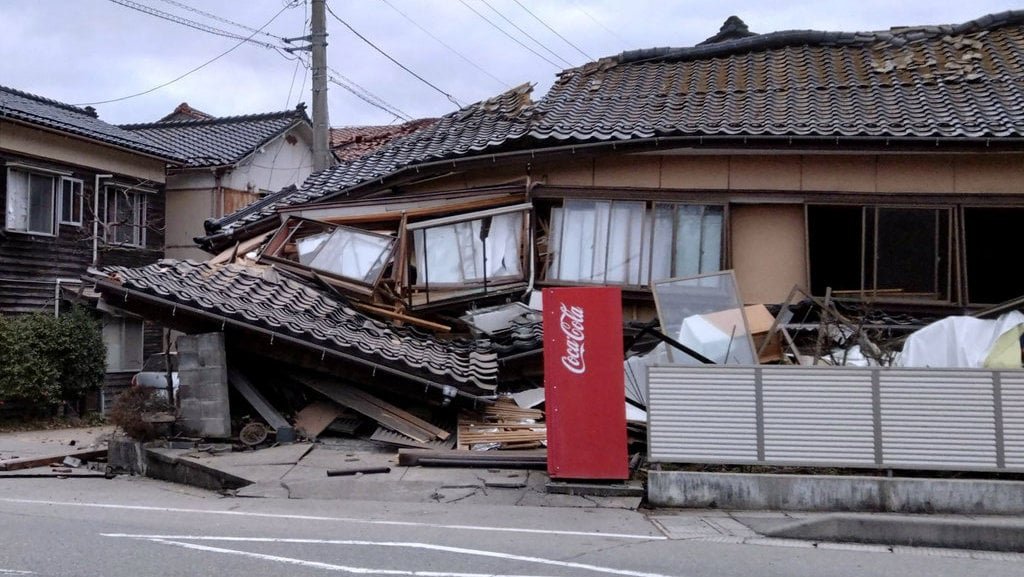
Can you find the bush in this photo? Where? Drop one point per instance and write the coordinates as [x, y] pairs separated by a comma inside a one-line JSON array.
[[132, 406], [46, 360]]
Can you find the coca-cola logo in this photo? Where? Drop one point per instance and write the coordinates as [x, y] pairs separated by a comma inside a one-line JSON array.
[[571, 323]]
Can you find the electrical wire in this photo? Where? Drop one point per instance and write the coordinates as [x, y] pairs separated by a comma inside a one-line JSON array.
[[513, 38], [442, 43], [182, 5], [196, 25], [625, 43], [196, 69], [553, 31], [525, 33], [388, 56]]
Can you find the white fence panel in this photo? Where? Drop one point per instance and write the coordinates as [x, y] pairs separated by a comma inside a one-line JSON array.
[[814, 414], [712, 418], [837, 417], [943, 418], [1012, 385]]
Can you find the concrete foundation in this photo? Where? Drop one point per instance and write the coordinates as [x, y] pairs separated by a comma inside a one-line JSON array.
[[834, 493]]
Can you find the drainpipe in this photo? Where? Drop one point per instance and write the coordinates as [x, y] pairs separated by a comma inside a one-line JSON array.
[[96, 217], [56, 293]]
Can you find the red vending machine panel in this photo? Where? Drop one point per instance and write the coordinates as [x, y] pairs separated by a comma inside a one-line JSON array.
[[583, 384]]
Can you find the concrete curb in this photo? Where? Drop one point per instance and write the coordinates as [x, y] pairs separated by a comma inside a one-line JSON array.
[[739, 491], [1005, 534]]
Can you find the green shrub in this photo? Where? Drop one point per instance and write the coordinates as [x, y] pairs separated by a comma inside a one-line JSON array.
[[47, 360]]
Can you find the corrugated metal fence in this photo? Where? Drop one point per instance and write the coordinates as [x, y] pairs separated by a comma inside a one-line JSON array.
[[971, 420]]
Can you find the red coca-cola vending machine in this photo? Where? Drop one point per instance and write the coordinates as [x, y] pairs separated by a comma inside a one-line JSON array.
[[583, 384]]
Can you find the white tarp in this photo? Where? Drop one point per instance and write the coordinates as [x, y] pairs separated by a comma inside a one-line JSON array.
[[966, 342]]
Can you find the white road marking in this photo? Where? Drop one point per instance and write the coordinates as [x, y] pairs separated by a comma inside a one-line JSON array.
[[337, 519], [408, 545], [328, 566], [15, 572]]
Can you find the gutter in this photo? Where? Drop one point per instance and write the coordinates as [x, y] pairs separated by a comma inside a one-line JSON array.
[[446, 390]]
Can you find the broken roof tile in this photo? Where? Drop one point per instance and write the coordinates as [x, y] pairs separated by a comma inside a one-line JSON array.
[[260, 301]]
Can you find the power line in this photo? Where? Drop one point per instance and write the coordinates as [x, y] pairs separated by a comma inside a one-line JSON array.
[[525, 33], [625, 43], [193, 24], [442, 43], [197, 68], [397, 63], [553, 31], [223, 20], [513, 38]]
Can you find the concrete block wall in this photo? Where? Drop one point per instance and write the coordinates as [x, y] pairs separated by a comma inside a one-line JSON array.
[[203, 386]]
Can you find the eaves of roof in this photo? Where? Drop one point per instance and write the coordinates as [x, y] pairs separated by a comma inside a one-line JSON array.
[[220, 142], [83, 124], [258, 300]]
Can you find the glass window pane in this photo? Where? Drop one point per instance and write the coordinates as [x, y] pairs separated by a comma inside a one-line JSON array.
[[353, 254], [624, 238], [17, 200], [711, 240], [456, 253], [40, 204], [705, 314], [688, 246]]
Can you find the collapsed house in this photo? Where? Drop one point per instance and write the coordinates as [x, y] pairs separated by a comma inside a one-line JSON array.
[[880, 170]]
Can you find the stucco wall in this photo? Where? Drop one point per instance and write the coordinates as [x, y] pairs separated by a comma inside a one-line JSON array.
[[62, 149], [274, 166]]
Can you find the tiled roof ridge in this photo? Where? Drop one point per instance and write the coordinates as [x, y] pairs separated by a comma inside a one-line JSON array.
[[90, 112], [297, 112], [784, 38]]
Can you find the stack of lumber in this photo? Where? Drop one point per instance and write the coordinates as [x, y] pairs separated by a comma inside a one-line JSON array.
[[502, 425]]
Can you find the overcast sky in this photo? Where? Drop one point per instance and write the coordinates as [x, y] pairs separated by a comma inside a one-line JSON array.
[[91, 51]]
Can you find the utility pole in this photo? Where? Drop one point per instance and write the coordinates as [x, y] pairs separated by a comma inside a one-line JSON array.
[[321, 122]]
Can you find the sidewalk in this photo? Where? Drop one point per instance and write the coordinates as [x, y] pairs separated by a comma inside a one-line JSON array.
[[300, 471]]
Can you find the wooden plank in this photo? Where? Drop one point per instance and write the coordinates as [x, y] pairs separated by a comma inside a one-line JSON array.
[[244, 386], [30, 462], [315, 417], [342, 395], [404, 415], [370, 309]]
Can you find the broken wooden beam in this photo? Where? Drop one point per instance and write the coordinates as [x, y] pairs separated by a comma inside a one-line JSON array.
[[380, 411], [30, 462], [283, 430]]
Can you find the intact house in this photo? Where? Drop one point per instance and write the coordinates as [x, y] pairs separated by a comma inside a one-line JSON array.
[[886, 166], [230, 162], [77, 192]]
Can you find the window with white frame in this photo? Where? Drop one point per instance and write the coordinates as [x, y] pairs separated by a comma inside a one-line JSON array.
[[70, 201], [633, 243], [125, 216], [481, 248], [123, 338], [30, 202]]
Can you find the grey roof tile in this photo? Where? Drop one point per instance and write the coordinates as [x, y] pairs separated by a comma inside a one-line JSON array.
[[266, 301], [83, 122], [955, 81], [219, 141]]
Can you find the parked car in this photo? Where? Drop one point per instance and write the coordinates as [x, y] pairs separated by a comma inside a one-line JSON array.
[[154, 373]]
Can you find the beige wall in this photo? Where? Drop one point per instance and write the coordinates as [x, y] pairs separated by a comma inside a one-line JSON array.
[[186, 211], [46, 145], [768, 250], [870, 173]]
